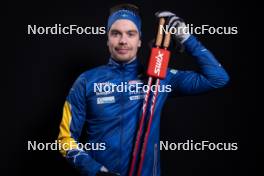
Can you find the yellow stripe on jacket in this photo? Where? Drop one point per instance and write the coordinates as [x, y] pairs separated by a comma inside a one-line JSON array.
[[65, 139]]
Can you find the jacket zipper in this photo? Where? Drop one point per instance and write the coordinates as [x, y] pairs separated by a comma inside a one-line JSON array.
[[121, 120]]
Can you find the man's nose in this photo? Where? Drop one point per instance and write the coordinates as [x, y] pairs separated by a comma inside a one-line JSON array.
[[123, 39]]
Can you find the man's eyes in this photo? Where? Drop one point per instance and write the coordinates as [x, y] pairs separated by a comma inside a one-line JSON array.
[[114, 33], [131, 34]]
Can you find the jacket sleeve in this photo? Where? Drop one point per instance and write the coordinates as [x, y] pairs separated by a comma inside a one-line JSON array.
[[211, 74], [73, 118]]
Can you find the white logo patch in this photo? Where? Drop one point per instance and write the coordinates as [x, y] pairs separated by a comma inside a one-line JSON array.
[[173, 71], [104, 100], [136, 97], [135, 81]]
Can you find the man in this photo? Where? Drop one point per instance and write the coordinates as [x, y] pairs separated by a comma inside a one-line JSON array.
[[111, 118]]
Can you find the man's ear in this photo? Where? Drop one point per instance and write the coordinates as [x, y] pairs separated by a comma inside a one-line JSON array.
[[107, 42], [139, 43]]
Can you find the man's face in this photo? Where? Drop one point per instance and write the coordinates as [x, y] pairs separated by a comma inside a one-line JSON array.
[[123, 40]]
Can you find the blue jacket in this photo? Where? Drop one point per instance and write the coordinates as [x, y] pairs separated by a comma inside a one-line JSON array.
[[111, 118]]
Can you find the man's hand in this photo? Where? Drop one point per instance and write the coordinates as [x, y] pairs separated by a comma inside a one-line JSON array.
[[104, 172], [182, 33], [107, 174]]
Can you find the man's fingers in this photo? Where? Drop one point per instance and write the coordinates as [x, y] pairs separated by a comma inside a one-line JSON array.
[[103, 169], [173, 19], [164, 14], [174, 23]]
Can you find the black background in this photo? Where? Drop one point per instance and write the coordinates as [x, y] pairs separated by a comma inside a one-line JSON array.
[[41, 69]]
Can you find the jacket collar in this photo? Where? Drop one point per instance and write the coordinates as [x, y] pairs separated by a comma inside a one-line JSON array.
[[130, 65]]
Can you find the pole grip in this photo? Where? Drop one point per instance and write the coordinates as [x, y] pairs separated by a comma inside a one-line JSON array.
[[160, 32], [166, 42]]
